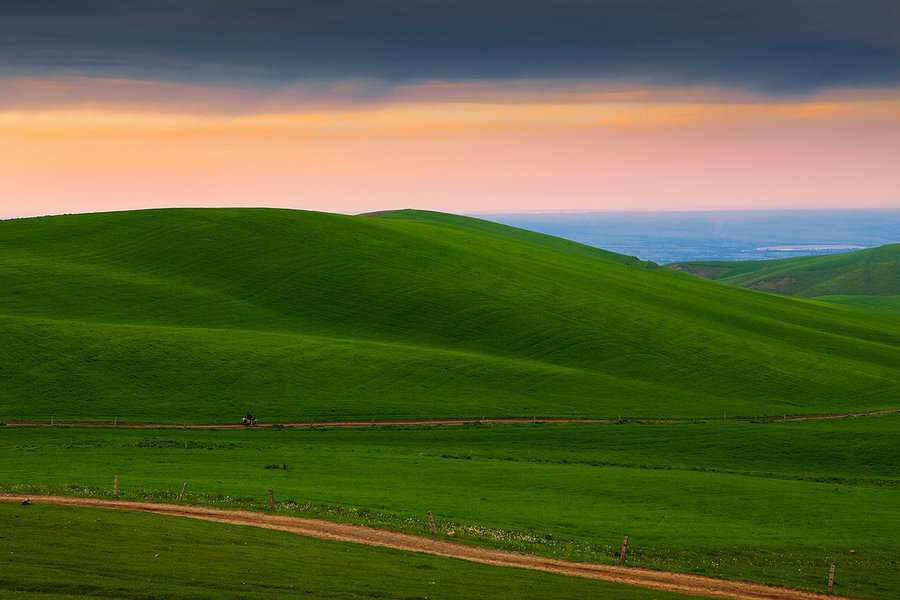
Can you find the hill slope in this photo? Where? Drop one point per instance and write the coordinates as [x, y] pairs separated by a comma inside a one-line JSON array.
[[511, 233], [870, 272], [206, 313]]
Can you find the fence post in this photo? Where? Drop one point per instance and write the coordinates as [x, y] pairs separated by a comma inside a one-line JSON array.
[[624, 550], [271, 500], [180, 498], [116, 422], [51, 419], [831, 579], [431, 521], [116, 486]]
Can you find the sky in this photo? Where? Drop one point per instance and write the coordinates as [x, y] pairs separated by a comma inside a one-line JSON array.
[[455, 105]]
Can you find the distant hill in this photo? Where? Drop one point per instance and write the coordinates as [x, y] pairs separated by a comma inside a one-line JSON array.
[[203, 314], [870, 272], [511, 233]]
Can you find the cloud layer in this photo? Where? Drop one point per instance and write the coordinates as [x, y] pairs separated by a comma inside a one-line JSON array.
[[769, 46]]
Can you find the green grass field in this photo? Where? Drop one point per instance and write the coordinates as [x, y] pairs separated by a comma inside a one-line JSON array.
[[199, 315], [66, 553], [168, 315], [779, 501], [870, 272]]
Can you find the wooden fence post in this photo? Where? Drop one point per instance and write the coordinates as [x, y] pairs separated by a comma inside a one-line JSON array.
[[180, 498], [624, 550], [431, 521], [51, 419], [116, 422], [271, 500], [116, 486], [831, 579]]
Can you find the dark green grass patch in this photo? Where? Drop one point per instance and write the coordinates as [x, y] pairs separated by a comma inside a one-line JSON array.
[[68, 552]]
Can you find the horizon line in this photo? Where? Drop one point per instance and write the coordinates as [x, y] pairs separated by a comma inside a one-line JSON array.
[[479, 213]]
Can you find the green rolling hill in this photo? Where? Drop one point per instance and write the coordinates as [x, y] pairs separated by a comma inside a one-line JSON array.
[[203, 314], [868, 277]]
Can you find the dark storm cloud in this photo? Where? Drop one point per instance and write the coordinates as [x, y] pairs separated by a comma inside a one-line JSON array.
[[779, 46]]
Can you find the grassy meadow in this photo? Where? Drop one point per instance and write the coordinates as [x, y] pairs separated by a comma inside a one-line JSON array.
[[779, 501]]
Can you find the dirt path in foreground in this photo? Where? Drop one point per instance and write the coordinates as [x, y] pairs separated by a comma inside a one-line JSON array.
[[357, 423], [461, 421], [659, 580]]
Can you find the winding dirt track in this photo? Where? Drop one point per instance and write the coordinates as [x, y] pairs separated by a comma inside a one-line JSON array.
[[647, 578], [460, 421], [358, 423]]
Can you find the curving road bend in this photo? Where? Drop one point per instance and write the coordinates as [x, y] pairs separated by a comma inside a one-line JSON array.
[[659, 580]]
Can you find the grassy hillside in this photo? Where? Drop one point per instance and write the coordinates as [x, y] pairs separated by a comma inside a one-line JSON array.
[[203, 314], [889, 304], [871, 272], [512, 233]]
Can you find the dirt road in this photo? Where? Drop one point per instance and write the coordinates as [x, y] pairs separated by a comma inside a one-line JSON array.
[[647, 578], [460, 421]]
